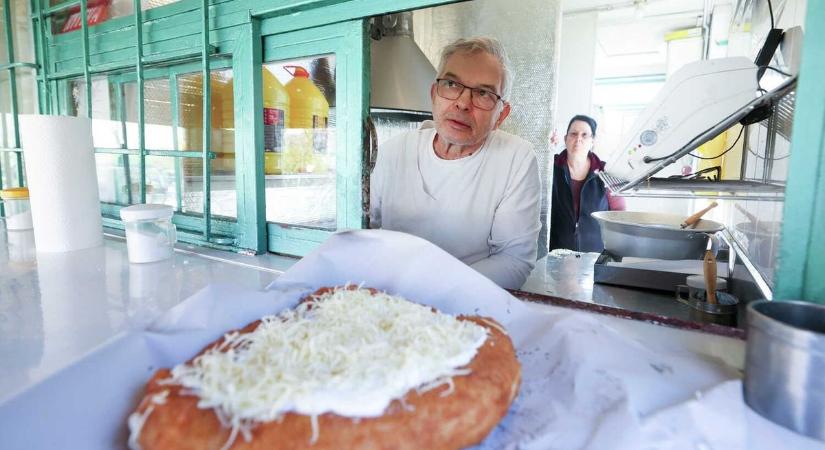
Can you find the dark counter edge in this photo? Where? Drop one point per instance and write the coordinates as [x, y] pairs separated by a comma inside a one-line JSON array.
[[655, 319]]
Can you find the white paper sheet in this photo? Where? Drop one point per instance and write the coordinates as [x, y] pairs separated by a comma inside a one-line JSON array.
[[584, 384]]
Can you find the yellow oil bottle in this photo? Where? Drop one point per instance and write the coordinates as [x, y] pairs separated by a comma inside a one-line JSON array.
[[223, 126], [190, 127], [276, 106], [307, 120]]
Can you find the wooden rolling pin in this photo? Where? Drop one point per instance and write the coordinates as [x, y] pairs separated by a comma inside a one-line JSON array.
[[694, 219]]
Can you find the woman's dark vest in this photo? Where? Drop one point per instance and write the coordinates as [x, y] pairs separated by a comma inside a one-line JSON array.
[[584, 234]]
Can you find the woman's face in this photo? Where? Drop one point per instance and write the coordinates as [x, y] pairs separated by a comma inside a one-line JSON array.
[[579, 137]]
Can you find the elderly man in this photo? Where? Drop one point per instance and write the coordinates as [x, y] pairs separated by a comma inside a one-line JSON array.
[[464, 185]]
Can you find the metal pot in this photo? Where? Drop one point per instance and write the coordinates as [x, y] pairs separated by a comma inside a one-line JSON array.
[[784, 364], [653, 235], [762, 240]]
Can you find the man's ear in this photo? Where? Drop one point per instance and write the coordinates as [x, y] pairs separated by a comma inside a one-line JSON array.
[[505, 111], [432, 93]]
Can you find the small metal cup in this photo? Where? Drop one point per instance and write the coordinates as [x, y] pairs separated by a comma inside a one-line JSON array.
[[785, 363]]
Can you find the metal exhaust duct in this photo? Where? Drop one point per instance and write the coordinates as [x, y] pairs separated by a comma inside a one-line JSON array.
[[400, 73]]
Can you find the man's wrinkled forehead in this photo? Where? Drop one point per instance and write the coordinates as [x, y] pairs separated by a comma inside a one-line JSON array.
[[451, 72]]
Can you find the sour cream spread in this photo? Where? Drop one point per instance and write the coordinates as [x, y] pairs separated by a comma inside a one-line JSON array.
[[349, 352]]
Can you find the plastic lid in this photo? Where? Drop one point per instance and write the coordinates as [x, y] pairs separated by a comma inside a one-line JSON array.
[[145, 212], [14, 193], [298, 72]]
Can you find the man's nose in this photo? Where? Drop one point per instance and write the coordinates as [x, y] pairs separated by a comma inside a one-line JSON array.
[[464, 101]]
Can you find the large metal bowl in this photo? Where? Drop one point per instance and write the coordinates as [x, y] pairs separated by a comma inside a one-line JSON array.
[[653, 235]]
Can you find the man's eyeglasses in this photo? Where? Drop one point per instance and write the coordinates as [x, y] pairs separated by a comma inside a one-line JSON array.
[[481, 98]]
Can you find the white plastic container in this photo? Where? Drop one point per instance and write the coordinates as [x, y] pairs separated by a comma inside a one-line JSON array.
[[150, 233], [18, 210]]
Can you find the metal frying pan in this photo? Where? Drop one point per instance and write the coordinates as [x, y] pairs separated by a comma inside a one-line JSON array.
[[653, 235]]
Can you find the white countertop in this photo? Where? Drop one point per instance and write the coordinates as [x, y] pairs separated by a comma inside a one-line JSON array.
[[54, 308]]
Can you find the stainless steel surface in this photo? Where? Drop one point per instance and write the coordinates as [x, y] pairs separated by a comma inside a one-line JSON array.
[[723, 312], [653, 235], [723, 189], [571, 278], [763, 286], [785, 363], [400, 74], [784, 115]]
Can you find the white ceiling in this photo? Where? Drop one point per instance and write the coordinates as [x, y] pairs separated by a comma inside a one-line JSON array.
[[630, 38]]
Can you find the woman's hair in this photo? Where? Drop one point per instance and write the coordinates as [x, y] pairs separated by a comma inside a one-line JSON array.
[[586, 119], [487, 45]]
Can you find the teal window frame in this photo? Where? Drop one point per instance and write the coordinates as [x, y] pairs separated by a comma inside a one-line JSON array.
[[237, 31], [348, 41], [190, 224], [11, 66]]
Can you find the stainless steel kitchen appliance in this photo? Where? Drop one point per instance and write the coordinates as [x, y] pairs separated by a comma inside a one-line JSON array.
[[651, 251]]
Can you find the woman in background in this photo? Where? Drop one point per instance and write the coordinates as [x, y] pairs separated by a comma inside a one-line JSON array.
[[578, 191]]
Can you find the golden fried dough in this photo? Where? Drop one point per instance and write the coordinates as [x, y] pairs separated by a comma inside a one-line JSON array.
[[428, 421]]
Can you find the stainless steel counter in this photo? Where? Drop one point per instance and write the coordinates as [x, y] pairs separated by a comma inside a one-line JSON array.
[[568, 281]]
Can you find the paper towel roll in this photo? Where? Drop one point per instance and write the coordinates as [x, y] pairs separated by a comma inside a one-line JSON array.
[[62, 181]]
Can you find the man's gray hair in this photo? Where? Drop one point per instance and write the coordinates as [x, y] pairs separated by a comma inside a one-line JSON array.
[[485, 44]]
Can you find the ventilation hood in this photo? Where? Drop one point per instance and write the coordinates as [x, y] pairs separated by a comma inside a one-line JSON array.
[[400, 73]]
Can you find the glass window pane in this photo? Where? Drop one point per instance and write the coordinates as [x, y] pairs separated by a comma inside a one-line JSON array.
[[223, 192], [6, 120], [162, 184], [157, 114], [22, 30], [114, 180], [8, 169], [190, 138], [300, 142], [3, 56], [99, 11], [106, 128], [190, 115]]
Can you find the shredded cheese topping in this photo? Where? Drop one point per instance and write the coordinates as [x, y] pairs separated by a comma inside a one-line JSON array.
[[350, 352]]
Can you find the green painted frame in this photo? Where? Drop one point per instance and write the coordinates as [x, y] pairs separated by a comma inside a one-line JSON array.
[[171, 34], [12, 65], [190, 224], [348, 41], [801, 271]]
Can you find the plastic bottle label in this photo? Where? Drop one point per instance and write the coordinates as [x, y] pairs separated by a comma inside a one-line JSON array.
[[273, 130], [319, 134]]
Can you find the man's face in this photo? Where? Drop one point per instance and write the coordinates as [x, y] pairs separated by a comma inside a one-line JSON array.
[[459, 121]]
